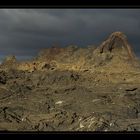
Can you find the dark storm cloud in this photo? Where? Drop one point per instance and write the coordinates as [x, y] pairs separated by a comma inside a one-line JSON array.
[[24, 32]]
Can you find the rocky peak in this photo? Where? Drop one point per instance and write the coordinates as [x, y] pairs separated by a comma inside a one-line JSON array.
[[117, 41]]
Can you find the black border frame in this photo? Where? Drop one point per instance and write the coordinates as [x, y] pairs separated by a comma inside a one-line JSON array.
[[80, 4]]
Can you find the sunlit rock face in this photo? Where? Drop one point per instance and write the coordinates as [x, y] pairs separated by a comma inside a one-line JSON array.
[[114, 52], [117, 41]]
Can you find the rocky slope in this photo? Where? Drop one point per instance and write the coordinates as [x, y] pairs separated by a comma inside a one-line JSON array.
[[73, 89]]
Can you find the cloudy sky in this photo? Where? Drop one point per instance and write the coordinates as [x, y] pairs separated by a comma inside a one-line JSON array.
[[23, 32]]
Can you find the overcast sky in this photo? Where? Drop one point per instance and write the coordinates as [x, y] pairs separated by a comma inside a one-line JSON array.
[[23, 32]]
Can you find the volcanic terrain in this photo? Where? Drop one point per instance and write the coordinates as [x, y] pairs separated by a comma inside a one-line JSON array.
[[96, 88]]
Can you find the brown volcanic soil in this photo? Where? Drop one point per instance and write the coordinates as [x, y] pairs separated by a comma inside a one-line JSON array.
[[73, 89]]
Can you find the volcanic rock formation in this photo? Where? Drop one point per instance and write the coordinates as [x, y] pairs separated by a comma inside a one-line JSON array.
[[115, 41], [95, 88]]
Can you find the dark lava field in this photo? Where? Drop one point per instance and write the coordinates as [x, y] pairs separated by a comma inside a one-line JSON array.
[[96, 88]]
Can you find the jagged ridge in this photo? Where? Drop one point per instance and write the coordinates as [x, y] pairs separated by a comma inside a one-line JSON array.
[[113, 52]]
